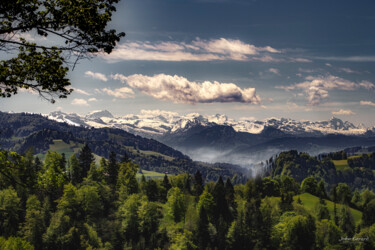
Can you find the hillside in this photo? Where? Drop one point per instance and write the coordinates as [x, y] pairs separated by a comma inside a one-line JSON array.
[[301, 165], [22, 131]]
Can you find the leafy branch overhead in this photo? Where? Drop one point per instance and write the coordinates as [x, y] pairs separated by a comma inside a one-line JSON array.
[[65, 31]]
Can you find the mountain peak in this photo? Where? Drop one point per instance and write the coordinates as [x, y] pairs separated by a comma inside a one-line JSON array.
[[99, 113]]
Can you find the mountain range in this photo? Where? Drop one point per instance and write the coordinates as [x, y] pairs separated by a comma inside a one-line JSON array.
[[156, 123], [217, 138]]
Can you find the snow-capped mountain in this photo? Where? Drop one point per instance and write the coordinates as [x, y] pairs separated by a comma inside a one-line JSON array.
[[156, 123]]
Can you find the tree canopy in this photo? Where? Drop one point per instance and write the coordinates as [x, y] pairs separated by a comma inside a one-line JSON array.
[[43, 38]]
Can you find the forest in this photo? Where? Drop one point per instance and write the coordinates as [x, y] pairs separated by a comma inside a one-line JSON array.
[[78, 204]]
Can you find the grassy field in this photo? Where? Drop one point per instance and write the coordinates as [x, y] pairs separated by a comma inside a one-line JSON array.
[[150, 175], [166, 157], [68, 149], [310, 201], [341, 165]]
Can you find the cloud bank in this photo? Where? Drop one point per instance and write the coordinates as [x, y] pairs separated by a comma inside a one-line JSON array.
[[368, 103], [316, 87], [197, 50], [180, 90], [119, 93], [343, 112], [79, 102], [97, 76]]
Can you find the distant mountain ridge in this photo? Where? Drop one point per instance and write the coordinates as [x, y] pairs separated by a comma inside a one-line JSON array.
[[157, 124], [219, 138]]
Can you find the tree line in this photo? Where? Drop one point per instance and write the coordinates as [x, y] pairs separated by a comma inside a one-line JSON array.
[[76, 203]]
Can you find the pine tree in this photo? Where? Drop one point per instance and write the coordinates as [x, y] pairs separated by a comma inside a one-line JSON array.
[[202, 234], [125, 158], [166, 186], [33, 227], [112, 170], [229, 192], [85, 159], [63, 161], [222, 216], [198, 184], [75, 170]]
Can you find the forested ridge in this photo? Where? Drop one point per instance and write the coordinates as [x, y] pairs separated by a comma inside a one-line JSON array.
[[22, 131], [77, 204]]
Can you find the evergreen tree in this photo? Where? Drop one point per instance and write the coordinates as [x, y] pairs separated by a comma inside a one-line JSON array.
[[63, 162], [125, 158], [127, 183], [202, 233], [221, 204], [346, 221], [322, 212], [151, 190], [33, 227], [75, 170], [222, 217], [53, 178], [113, 168], [166, 186], [229, 193], [368, 215], [175, 205], [10, 205], [31, 169], [85, 159], [321, 191], [198, 183]]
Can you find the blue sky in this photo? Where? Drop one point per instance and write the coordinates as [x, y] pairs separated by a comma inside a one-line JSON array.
[[305, 60]]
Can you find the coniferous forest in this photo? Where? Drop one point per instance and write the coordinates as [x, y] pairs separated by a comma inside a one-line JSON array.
[[77, 204]]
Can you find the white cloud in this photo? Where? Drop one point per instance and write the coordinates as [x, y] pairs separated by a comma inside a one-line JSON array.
[[349, 71], [81, 91], [368, 103], [273, 70], [349, 58], [343, 112], [367, 85], [158, 112], [180, 90], [29, 90], [266, 58], [247, 118], [79, 102], [300, 60], [316, 87], [197, 50], [97, 76], [93, 99], [307, 70], [119, 93]]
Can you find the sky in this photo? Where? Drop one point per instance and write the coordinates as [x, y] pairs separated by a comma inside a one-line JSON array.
[[304, 60]]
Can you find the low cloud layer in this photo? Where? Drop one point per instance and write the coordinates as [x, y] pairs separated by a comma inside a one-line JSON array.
[[197, 50], [97, 76], [119, 93], [81, 91], [316, 88], [367, 103], [79, 102], [180, 90], [273, 70], [343, 112]]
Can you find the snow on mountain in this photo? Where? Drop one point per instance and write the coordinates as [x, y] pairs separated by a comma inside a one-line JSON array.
[[155, 123], [99, 114]]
